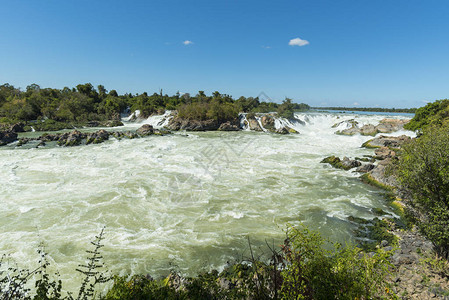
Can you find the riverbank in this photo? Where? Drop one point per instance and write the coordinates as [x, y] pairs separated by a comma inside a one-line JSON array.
[[419, 273]]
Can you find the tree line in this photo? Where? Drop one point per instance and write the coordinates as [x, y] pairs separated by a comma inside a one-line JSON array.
[[85, 103]]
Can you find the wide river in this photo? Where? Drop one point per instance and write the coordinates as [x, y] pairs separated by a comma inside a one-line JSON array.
[[183, 202]]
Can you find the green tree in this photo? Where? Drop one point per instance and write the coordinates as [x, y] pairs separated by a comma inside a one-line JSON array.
[[286, 109]]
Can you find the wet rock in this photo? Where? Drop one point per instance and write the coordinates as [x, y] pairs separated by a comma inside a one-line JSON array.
[[253, 123], [350, 163], [365, 168], [7, 137], [23, 141], [282, 130], [73, 138], [267, 122], [350, 123], [124, 134], [97, 137], [228, 126], [19, 127], [345, 164], [145, 130]]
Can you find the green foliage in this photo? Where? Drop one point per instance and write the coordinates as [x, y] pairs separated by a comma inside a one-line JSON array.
[[423, 172], [433, 114], [286, 109], [314, 272], [215, 109]]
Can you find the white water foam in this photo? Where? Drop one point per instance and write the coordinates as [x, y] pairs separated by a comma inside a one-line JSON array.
[[179, 200]]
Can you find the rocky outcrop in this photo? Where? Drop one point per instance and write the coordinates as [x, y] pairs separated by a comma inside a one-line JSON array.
[[384, 152], [365, 168], [228, 126], [145, 130], [253, 124], [384, 126], [391, 125], [177, 123], [345, 163], [97, 137], [267, 122], [379, 175], [7, 137], [387, 141], [18, 127], [73, 138]]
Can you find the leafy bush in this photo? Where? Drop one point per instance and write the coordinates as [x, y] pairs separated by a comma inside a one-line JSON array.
[[423, 171], [435, 113], [313, 272], [213, 110]]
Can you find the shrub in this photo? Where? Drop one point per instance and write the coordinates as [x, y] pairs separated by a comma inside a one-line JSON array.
[[434, 113], [313, 272], [423, 172]]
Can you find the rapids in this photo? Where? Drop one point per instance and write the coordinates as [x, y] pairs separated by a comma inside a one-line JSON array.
[[184, 201]]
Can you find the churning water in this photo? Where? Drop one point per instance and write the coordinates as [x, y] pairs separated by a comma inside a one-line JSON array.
[[183, 201]]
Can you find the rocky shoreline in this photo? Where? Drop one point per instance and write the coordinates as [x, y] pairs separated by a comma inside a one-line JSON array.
[[76, 137], [415, 275]]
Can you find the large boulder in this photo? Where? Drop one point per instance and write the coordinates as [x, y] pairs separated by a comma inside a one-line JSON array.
[[345, 164], [145, 130], [18, 127], [7, 137], [192, 125], [228, 126], [387, 141], [253, 123], [97, 137], [391, 125], [368, 129], [267, 122], [73, 138], [365, 168], [380, 175]]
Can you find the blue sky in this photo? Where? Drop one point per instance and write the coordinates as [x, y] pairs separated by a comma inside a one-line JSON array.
[[388, 53]]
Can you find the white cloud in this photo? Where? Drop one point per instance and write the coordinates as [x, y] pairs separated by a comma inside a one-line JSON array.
[[298, 42], [355, 103], [266, 47], [187, 42]]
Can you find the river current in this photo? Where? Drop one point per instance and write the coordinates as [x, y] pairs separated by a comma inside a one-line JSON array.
[[186, 201]]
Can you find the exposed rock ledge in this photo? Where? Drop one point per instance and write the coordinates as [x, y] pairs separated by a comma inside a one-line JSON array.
[[75, 137], [385, 126], [177, 123]]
